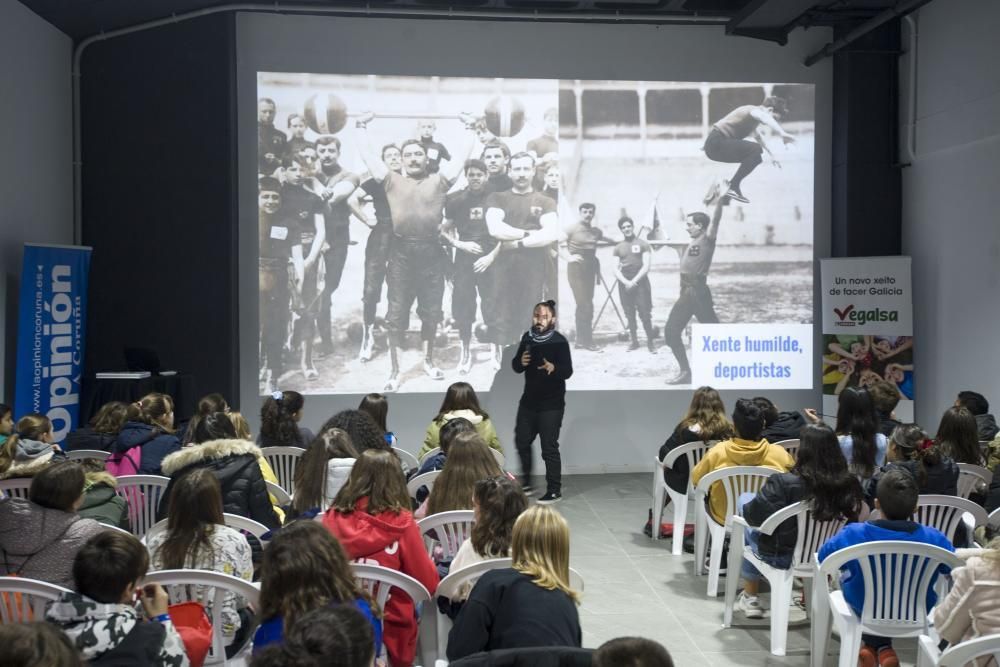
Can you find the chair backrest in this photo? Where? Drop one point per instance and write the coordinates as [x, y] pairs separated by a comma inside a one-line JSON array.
[[944, 513], [498, 455], [427, 479], [452, 583], [735, 481], [244, 524], [791, 446], [812, 534], [693, 451], [378, 581], [80, 454], [143, 493], [429, 454], [208, 588], [23, 600], [994, 519], [961, 655], [16, 488], [282, 496], [449, 529], [969, 476], [896, 575], [283, 460], [410, 461]]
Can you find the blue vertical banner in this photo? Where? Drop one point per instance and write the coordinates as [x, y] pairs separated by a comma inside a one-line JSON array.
[[50, 335]]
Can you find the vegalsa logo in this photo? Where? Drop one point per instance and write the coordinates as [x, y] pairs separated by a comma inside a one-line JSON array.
[[849, 317]]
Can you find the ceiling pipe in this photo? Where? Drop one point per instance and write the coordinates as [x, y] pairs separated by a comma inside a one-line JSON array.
[[367, 11], [901, 9]]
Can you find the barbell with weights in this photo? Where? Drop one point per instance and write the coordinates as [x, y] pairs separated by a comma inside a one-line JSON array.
[[326, 113]]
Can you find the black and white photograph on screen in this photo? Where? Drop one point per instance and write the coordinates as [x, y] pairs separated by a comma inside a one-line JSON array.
[[682, 202], [406, 225]]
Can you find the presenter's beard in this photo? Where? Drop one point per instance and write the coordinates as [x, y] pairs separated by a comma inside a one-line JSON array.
[[539, 329]]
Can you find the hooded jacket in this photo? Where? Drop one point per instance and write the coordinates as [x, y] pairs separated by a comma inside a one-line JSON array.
[[154, 449], [941, 479], [970, 610], [337, 472], [787, 426], [234, 464], [737, 452], [88, 438], [484, 427], [30, 457], [101, 503], [391, 540], [987, 426], [106, 633], [40, 543]]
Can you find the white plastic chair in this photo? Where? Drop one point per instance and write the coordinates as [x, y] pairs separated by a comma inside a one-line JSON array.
[[944, 513], [449, 529], [734, 481], [450, 586], [791, 446], [143, 493], [694, 451], [993, 521], [183, 585], [16, 488], [427, 479], [234, 521], [34, 596], [379, 581], [969, 476], [959, 655], [427, 455], [410, 461], [283, 460], [897, 576], [80, 454], [282, 496], [811, 536]]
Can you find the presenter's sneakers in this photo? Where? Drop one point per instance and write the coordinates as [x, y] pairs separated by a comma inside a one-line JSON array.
[[549, 498]]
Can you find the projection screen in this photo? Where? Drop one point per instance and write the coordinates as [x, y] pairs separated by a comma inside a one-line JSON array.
[[421, 218]]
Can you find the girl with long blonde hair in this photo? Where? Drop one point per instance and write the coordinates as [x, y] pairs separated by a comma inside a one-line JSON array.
[[706, 420]]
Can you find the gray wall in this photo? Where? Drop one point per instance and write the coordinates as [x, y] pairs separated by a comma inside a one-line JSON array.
[[36, 172], [950, 223], [602, 431]]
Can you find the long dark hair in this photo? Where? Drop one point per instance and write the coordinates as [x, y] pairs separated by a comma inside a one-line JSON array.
[[460, 396], [365, 433], [278, 427], [377, 475], [500, 502], [207, 405], [376, 406], [311, 472], [214, 426], [150, 409], [856, 418], [829, 484], [469, 460], [958, 436], [109, 419], [195, 510], [911, 443]]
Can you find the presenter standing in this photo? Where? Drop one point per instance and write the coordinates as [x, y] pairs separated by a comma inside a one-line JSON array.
[[543, 356]]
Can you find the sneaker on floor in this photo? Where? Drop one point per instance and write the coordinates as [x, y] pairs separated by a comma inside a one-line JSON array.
[[749, 605], [549, 498], [887, 657], [866, 657]]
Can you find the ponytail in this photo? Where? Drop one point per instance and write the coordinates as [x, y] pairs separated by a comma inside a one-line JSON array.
[[150, 409], [30, 427], [278, 427], [914, 445]]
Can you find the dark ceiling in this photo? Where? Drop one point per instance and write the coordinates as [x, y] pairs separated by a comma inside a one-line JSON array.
[[764, 19]]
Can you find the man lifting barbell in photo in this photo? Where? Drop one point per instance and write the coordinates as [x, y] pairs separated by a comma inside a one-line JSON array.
[[416, 265]]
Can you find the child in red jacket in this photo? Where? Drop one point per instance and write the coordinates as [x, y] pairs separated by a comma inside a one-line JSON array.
[[371, 518]]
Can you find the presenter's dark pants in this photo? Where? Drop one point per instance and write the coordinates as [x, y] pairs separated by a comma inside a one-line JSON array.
[[376, 256], [638, 299], [582, 276], [695, 300], [415, 272], [338, 238], [720, 148], [544, 424]]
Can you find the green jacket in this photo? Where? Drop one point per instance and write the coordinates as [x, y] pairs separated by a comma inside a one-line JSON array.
[[100, 502], [484, 427]]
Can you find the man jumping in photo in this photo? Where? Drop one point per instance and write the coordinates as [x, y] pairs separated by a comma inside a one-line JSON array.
[[695, 299], [727, 142]]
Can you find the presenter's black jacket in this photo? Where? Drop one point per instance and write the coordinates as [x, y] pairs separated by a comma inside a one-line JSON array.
[[787, 426], [543, 391], [506, 610], [234, 463]]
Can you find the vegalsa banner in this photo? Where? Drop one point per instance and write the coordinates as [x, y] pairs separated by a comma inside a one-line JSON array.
[[867, 328], [51, 328]]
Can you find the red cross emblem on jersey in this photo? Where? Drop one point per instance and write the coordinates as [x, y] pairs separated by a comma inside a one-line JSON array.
[[476, 213]]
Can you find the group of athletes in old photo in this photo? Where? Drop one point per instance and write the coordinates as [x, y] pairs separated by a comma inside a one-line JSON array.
[[484, 220]]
